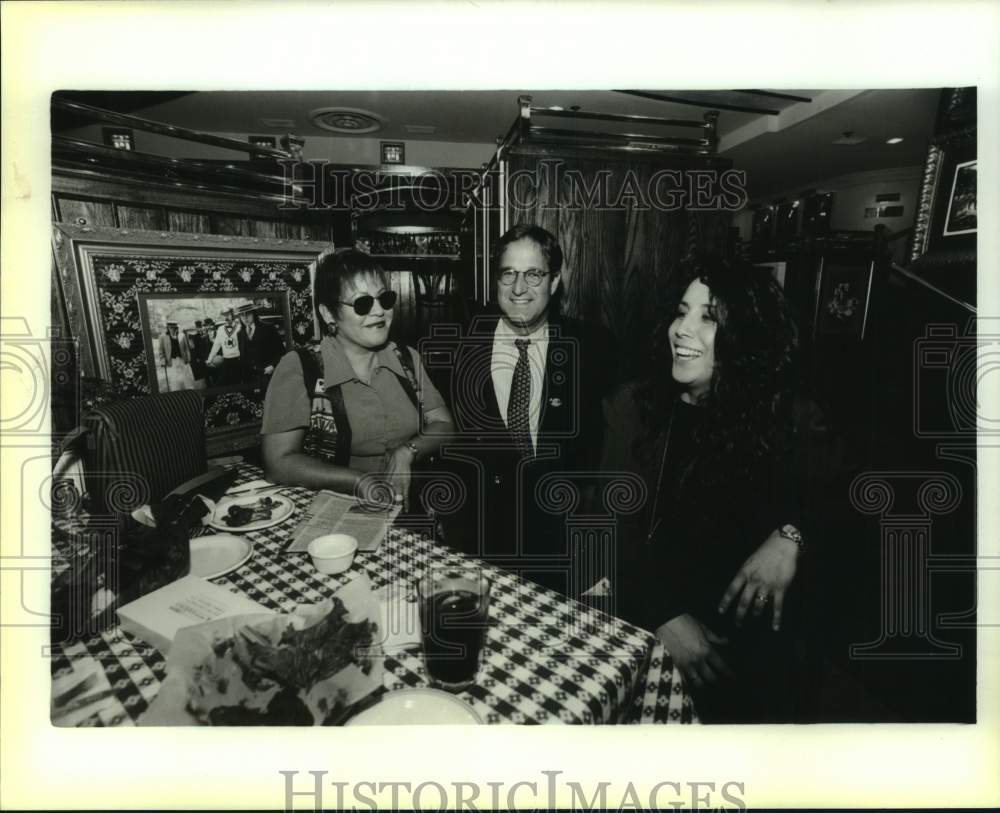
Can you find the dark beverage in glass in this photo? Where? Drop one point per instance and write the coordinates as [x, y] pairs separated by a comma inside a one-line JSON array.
[[454, 615]]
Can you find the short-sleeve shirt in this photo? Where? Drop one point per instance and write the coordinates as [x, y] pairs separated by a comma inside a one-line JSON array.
[[381, 414]]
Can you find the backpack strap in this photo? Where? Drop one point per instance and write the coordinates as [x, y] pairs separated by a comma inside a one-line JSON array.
[[310, 369], [410, 384], [311, 373]]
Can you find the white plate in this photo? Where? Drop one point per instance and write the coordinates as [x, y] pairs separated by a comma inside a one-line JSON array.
[[217, 555], [282, 511], [417, 707]]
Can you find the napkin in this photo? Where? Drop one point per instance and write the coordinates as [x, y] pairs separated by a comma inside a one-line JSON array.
[[299, 668]]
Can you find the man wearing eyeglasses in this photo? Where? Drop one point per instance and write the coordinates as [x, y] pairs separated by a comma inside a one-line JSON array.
[[527, 390]]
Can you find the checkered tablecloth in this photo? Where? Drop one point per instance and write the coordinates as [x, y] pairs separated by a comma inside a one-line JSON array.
[[548, 659]]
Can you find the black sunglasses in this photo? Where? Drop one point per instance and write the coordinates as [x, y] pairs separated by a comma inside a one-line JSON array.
[[363, 304]]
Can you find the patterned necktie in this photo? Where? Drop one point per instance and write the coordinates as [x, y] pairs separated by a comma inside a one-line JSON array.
[[520, 398]]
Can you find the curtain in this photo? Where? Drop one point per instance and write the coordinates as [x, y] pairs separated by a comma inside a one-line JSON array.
[[619, 253]]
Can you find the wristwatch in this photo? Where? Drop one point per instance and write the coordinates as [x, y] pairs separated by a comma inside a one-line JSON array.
[[412, 447], [793, 534]]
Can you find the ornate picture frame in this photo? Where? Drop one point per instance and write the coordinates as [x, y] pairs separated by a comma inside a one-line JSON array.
[[944, 233], [105, 279]]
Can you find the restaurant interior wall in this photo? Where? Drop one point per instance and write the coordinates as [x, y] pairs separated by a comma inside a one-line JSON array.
[[854, 195], [339, 149], [619, 260]]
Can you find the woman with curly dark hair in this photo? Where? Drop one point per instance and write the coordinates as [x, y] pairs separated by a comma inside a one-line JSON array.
[[713, 441]]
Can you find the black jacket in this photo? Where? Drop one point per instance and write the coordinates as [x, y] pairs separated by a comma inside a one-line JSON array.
[[516, 510]]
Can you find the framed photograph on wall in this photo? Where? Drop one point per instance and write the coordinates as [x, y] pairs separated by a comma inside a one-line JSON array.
[[944, 233], [134, 299], [843, 297], [215, 342], [960, 217], [393, 152]]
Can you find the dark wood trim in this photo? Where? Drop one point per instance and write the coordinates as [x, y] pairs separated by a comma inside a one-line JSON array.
[[665, 158], [706, 103], [121, 190]]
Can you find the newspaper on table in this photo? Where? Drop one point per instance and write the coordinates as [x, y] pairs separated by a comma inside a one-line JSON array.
[[304, 668], [333, 513]]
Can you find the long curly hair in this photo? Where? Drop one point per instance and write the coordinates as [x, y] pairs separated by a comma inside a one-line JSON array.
[[748, 406]]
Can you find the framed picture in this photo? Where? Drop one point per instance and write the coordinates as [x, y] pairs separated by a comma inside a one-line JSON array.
[[944, 234], [843, 297], [213, 341], [134, 299], [393, 152], [961, 215]]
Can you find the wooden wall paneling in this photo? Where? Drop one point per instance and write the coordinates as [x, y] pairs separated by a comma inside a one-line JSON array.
[[314, 231], [261, 228], [81, 212], [619, 257], [229, 225], [148, 218], [279, 228], [195, 222]]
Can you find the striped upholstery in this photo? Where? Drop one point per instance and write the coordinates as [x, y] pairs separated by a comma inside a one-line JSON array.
[[139, 449]]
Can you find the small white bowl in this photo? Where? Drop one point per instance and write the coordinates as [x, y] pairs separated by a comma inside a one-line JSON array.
[[333, 553]]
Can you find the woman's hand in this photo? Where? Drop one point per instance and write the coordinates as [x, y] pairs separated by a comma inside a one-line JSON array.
[[373, 490], [693, 646], [398, 466], [767, 573]]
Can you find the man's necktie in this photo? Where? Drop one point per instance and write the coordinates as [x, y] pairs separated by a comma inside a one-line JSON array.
[[520, 399]]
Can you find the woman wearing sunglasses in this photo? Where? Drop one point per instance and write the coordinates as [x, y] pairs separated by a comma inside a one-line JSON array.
[[357, 413]]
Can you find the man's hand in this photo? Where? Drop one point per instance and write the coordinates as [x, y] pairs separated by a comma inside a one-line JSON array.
[[693, 646], [767, 574]]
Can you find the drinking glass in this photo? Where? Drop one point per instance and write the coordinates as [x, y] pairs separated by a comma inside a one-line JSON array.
[[454, 617]]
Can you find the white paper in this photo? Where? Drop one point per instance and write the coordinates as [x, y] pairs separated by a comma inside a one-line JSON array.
[[332, 513]]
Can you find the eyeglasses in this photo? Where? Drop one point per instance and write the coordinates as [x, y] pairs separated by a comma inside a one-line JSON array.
[[363, 304], [532, 276]]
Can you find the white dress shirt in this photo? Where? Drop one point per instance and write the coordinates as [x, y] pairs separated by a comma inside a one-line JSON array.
[[504, 359]]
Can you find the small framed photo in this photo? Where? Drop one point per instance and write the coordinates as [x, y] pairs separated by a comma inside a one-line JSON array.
[[120, 138], [393, 152], [961, 215], [843, 296]]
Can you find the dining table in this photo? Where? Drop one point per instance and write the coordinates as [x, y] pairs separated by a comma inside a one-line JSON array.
[[547, 658]]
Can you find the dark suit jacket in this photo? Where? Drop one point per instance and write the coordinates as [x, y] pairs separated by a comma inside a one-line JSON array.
[[515, 512], [265, 348]]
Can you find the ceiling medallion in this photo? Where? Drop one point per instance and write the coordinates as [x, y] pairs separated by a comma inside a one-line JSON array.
[[346, 120]]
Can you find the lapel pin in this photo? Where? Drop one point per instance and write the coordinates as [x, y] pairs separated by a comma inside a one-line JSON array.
[[555, 402]]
